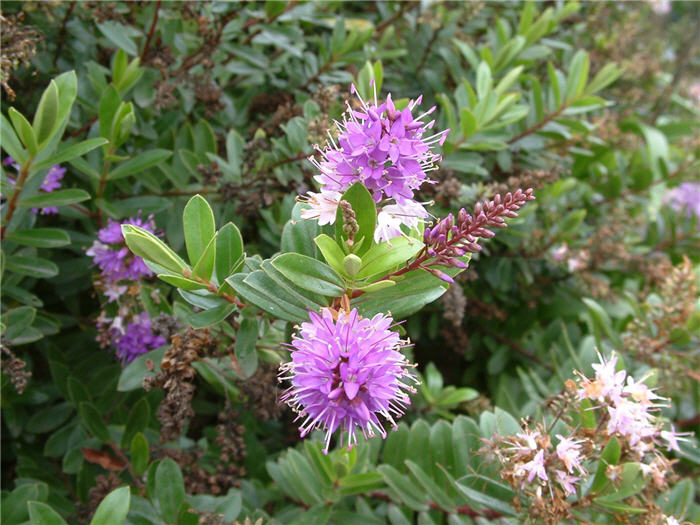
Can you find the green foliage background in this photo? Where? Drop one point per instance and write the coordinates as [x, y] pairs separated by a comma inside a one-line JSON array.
[[590, 104]]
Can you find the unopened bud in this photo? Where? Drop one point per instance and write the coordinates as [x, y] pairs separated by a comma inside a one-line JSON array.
[[352, 264]]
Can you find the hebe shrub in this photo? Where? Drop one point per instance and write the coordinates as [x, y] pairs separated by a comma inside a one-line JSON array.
[[242, 242]]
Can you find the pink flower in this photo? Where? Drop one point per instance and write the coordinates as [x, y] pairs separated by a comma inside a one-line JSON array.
[[568, 451], [672, 438], [566, 481], [535, 467], [346, 372], [392, 216], [323, 206]]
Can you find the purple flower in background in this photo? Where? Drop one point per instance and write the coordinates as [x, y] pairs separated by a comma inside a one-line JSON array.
[[130, 341], [112, 256], [346, 372], [52, 181], [685, 197]]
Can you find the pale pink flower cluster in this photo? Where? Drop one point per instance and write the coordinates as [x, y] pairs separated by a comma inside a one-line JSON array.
[[535, 460], [630, 407]]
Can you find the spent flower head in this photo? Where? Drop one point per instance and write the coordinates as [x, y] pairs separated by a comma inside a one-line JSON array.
[[345, 372]]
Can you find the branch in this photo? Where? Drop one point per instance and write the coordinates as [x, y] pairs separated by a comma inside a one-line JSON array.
[[151, 32], [12, 205], [539, 125]]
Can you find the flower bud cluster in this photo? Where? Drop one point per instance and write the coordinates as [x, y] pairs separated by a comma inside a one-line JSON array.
[[450, 239]]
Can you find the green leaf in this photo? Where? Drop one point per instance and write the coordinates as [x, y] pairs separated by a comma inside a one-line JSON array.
[[631, 481], [606, 76], [139, 163], [332, 253], [298, 233], [116, 33], [432, 489], [10, 141], [610, 456], [133, 374], [42, 514], [405, 489], [244, 347], [40, 237], [182, 282], [136, 421], [229, 251], [114, 508], [92, 420], [67, 84], [578, 74], [17, 321], [360, 483], [554, 84], [45, 118], [109, 105], [382, 258], [467, 122], [24, 131], [410, 294], [483, 80], [365, 213], [71, 152], [55, 198], [14, 504], [481, 500], [139, 452], [205, 265], [211, 317], [258, 289], [170, 489], [309, 274], [199, 226], [146, 245], [601, 322], [31, 266]]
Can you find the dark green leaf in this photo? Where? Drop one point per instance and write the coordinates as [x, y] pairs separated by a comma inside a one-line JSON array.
[[40, 237], [55, 198], [170, 489], [246, 339], [229, 251], [139, 163], [136, 421], [31, 266], [92, 420]]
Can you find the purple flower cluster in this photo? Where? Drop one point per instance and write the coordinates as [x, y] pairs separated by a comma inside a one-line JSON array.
[[51, 182], [345, 371], [382, 147], [129, 338], [686, 197], [389, 152], [112, 256]]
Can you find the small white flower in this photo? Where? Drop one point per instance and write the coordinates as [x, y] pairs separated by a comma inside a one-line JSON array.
[[323, 206]]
